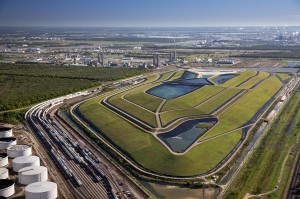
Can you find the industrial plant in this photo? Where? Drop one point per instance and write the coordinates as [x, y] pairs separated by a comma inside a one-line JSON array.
[[20, 169]]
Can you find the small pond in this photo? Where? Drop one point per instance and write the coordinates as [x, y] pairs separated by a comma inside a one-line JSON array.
[[188, 75], [169, 91], [224, 78], [185, 134]]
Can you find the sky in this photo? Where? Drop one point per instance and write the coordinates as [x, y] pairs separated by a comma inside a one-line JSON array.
[[149, 13]]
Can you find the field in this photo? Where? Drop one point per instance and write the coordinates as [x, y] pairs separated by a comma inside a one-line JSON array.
[[243, 77], [269, 158], [193, 99], [202, 102], [256, 79], [22, 85], [143, 99], [244, 109]]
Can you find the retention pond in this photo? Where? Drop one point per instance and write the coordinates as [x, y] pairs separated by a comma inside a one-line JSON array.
[[185, 134]]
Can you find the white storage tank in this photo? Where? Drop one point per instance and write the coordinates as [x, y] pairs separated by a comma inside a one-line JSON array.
[[3, 159], [33, 174], [38, 190], [7, 188], [5, 132], [19, 150], [25, 161], [4, 173], [6, 142]]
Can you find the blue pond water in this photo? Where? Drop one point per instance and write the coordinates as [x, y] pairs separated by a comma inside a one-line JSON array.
[[184, 135], [169, 91], [195, 81], [188, 75], [224, 78], [181, 86], [293, 64]]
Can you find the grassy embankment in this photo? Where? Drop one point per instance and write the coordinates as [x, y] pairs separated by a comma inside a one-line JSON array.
[[206, 108], [261, 173], [192, 99], [244, 109], [235, 81], [256, 79], [142, 147]]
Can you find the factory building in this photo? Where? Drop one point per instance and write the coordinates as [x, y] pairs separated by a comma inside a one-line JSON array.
[[156, 60], [172, 57]]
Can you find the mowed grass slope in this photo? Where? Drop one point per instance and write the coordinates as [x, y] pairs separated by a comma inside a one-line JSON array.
[[235, 81], [144, 99], [149, 152], [206, 108], [166, 76], [283, 76], [244, 109], [251, 82], [169, 116], [192, 99], [212, 104], [136, 111], [177, 75]]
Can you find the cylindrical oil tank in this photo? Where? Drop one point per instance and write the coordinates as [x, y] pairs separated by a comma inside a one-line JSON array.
[[19, 150], [38, 190], [7, 188], [25, 161], [6, 142], [3, 159], [4, 173], [5, 132], [33, 174]]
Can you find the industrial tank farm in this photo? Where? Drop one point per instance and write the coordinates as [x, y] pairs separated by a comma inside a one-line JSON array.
[[5, 132], [19, 150], [38, 190], [6, 142], [25, 161], [27, 166], [7, 188]]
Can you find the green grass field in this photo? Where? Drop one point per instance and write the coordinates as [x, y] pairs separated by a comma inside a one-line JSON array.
[[133, 110], [245, 108], [283, 76], [166, 76], [169, 116], [255, 80], [261, 173], [218, 100], [142, 147], [177, 75], [240, 78], [143, 99], [192, 99]]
